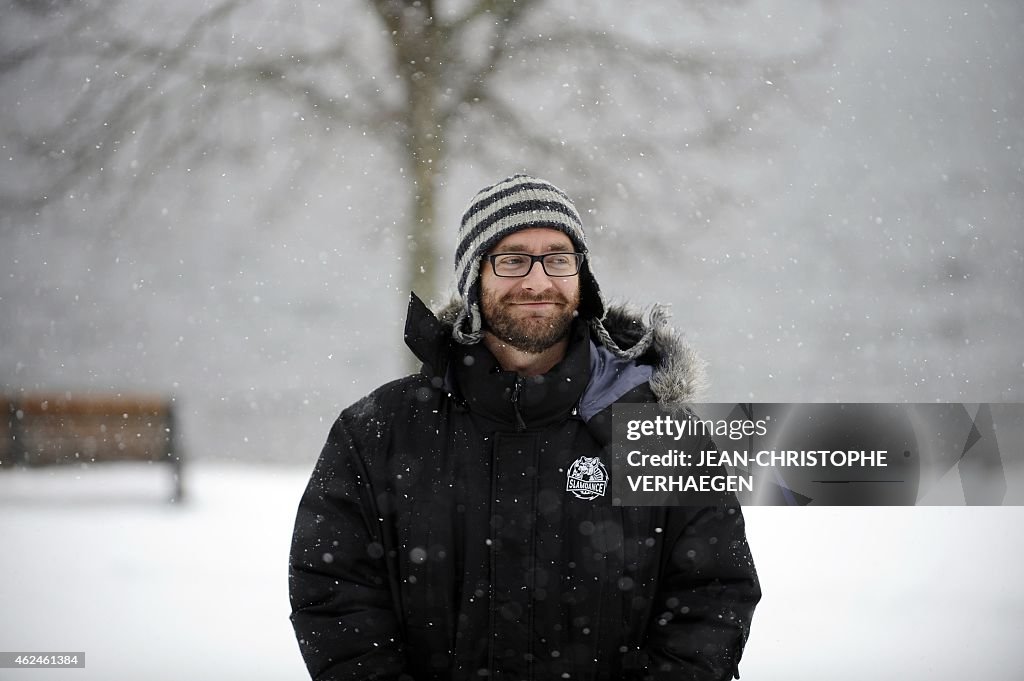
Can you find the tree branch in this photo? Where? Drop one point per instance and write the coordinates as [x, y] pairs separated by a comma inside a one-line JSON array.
[[470, 87]]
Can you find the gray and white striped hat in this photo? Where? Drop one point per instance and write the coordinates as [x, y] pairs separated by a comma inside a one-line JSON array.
[[516, 203]]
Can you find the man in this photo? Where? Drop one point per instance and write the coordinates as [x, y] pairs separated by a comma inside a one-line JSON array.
[[459, 523]]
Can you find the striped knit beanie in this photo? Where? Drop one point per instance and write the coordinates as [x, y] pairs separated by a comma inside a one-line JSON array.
[[516, 203]]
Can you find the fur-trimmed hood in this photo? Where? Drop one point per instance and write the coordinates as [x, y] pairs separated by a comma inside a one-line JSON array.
[[678, 375]]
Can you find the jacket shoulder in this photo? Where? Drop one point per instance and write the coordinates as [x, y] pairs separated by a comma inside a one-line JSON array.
[[383, 403]]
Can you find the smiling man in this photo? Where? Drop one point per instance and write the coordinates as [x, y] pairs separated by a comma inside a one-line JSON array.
[[459, 522], [530, 297]]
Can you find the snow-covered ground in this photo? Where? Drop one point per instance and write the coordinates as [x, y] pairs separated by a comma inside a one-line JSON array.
[[96, 561], [102, 564]]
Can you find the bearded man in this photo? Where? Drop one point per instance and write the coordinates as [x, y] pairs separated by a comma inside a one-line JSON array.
[[459, 524]]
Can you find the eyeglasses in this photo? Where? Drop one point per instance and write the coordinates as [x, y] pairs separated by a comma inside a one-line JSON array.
[[520, 264]]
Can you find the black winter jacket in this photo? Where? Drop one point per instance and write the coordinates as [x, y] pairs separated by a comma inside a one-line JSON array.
[[437, 539]]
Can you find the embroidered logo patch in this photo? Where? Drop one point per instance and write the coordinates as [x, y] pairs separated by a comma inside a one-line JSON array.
[[587, 478]]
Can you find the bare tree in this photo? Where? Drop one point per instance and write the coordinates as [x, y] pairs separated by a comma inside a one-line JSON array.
[[530, 77]]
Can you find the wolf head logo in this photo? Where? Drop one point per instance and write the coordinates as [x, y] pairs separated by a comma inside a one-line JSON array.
[[587, 478]]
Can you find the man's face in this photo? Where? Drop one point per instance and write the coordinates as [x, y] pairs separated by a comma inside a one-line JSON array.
[[534, 312]]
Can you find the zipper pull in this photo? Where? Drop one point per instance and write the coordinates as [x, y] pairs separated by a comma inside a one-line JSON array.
[[520, 423]]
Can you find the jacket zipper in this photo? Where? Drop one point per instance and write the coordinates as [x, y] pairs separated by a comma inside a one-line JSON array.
[[520, 423]]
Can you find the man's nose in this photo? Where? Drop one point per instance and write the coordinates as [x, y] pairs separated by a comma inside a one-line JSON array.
[[537, 279]]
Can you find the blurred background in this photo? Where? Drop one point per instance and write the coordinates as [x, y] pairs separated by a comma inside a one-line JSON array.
[[227, 202]]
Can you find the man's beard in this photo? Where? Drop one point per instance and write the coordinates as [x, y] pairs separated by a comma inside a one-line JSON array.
[[531, 334]]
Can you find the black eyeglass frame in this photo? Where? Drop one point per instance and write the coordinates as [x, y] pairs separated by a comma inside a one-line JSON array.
[[534, 259]]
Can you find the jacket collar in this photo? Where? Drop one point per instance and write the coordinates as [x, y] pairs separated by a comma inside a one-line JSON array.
[[510, 400], [428, 338]]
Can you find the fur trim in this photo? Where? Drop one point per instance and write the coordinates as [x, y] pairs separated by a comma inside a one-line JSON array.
[[680, 376], [450, 312]]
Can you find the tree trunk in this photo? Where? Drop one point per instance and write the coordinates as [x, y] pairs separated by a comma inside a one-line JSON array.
[[424, 259], [419, 50]]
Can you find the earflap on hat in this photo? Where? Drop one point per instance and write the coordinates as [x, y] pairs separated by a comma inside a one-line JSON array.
[[468, 326], [591, 301]]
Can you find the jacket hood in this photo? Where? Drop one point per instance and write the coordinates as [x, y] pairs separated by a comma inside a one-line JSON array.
[[678, 375]]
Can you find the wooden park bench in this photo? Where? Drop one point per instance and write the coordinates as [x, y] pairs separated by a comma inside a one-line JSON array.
[[48, 430]]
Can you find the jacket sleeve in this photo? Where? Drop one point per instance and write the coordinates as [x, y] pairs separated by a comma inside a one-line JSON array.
[[342, 605], [708, 591]]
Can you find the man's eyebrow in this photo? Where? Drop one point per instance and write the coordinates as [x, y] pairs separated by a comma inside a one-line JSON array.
[[553, 247]]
